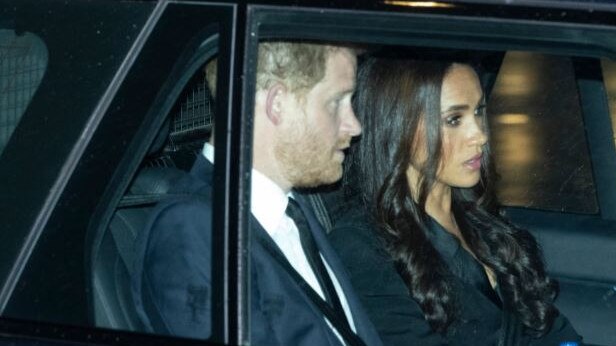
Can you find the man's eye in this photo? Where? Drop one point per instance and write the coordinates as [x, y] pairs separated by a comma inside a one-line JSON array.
[[334, 105]]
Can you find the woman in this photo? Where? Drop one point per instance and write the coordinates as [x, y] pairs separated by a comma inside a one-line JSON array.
[[433, 261]]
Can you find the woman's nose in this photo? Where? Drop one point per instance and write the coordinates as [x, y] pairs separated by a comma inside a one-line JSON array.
[[477, 133]]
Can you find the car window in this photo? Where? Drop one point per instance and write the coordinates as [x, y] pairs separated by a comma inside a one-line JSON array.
[[129, 97], [539, 117], [119, 256], [23, 61], [148, 274], [540, 146]]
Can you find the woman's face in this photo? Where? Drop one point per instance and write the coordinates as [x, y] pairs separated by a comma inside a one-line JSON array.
[[462, 117]]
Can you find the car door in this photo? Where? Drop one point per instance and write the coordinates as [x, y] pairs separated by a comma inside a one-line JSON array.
[[550, 118], [102, 88]]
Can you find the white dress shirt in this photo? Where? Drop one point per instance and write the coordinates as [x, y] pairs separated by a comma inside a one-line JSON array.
[[268, 204]]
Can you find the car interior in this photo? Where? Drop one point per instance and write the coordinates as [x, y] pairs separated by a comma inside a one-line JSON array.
[[68, 233], [584, 299], [171, 155]]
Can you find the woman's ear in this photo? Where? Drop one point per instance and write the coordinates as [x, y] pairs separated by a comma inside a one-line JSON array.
[[274, 102]]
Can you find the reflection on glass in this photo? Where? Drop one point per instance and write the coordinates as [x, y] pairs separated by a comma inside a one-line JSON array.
[[609, 77], [520, 78], [538, 135], [512, 119], [429, 4]]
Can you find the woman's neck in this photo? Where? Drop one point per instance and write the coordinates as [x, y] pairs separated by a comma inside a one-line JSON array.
[[438, 206], [438, 201]]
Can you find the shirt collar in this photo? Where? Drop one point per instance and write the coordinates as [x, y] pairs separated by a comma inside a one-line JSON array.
[[208, 152], [268, 202]]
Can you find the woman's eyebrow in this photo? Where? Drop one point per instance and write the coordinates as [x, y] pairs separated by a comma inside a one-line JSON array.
[[456, 108], [465, 107]]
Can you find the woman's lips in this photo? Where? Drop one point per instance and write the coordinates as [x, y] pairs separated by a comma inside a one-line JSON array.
[[474, 163]]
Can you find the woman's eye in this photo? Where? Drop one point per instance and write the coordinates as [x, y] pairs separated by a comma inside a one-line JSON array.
[[453, 120]]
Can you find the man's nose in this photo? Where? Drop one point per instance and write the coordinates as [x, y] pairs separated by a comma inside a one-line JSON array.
[[350, 123]]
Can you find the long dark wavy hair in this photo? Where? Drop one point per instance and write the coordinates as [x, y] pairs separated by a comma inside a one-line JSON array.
[[394, 98]]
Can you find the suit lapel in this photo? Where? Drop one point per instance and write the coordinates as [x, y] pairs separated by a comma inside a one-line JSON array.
[[263, 242], [364, 327], [265, 249]]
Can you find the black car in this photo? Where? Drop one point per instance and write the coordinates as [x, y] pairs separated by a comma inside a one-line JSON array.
[[104, 103]]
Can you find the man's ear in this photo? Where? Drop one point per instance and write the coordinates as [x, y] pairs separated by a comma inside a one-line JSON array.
[[274, 102]]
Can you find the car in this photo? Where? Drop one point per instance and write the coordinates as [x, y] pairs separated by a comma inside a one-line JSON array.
[[105, 103]]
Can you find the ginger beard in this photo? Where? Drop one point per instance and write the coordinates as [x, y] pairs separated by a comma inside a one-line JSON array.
[[307, 159]]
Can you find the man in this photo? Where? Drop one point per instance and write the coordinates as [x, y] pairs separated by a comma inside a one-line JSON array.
[[299, 292]]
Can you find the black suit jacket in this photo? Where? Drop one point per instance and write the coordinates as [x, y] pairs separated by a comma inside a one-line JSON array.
[[172, 281], [399, 319]]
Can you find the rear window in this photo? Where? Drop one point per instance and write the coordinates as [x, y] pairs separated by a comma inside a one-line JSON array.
[[538, 135], [609, 78]]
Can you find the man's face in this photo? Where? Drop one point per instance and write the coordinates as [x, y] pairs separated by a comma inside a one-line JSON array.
[[310, 148]]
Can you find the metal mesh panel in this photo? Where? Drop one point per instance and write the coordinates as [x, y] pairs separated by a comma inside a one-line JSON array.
[[23, 60], [191, 125], [192, 122]]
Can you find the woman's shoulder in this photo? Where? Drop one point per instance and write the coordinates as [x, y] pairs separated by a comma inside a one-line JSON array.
[[355, 237], [354, 227], [397, 317]]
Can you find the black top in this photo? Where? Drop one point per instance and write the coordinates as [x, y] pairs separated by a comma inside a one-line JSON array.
[[399, 319]]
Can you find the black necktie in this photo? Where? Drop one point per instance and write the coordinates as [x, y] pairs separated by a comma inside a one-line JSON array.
[[314, 258]]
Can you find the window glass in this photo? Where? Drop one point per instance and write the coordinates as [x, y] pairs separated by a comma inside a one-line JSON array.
[[538, 137], [23, 60], [133, 105], [609, 77], [152, 265]]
